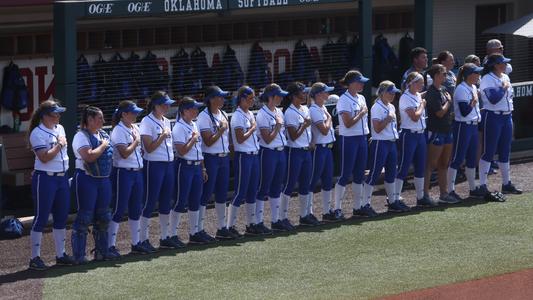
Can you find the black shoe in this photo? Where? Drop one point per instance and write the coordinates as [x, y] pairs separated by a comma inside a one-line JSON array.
[[65, 260], [263, 229], [288, 225], [235, 232], [146, 244], [139, 249], [315, 220], [113, 252], [368, 211], [405, 207], [309, 221], [339, 215], [197, 239], [329, 217], [252, 230], [37, 264], [171, 243], [478, 192], [224, 234], [207, 237], [278, 226], [509, 188]]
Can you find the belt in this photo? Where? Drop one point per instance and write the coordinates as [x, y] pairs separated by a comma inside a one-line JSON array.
[[471, 122], [218, 154], [131, 169], [249, 152], [191, 162], [301, 148], [279, 148], [415, 131], [502, 112], [329, 145], [60, 174]]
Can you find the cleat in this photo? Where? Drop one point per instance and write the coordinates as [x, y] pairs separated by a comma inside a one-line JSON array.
[[146, 244], [252, 230], [478, 192], [278, 226], [339, 215], [112, 252], [288, 225], [368, 211], [329, 217], [224, 234], [233, 230], [263, 229], [448, 199], [509, 188], [207, 237], [426, 201], [197, 239], [65, 260], [37, 264], [139, 249]]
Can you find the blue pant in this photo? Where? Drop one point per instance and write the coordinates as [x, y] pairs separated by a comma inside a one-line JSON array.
[[189, 188], [299, 169], [50, 195], [246, 178], [465, 140], [413, 149], [217, 178], [159, 180], [322, 168], [382, 153], [497, 136], [128, 190], [273, 164], [354, 155], [92, 194]]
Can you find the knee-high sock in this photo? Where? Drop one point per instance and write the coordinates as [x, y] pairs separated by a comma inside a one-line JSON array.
[[390, 190], [303, 205], [310, 203], [398, 186], [163, 223], [275, 208], [201, 217], [174, 222], [145, 225], [326, 199], [193, 222], [419, 187], [232, 215], [357, 190], [112, 230], [452, 174], [59, 240], [220, 209], [35, 238], [484, 167], [471, 177], [259, 210], [135, 230], [339, 194], [250, 213], [368, 189], [505, 170], [284, 206]]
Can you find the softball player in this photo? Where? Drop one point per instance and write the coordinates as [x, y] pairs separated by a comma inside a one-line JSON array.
[[158, 170], [126, 176], [50, 189], [497, 97], [299, 165], [383, 152], [440, 140], [353, 131], [465, 131], [412, 141], [214, 128], [246, 161], [191, 173], [91, 185], [322, 155], [273, 159]]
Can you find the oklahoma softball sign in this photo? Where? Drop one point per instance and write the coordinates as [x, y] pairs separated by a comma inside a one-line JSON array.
[[135, 8]]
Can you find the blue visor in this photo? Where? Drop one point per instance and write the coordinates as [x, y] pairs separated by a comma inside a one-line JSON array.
[[276, 92], [53, 109], [393, 90], [360, 79], [163, 100], [133, 108], [321, 89], [307, 90], [468, 71], [216, 92], [190, 105]]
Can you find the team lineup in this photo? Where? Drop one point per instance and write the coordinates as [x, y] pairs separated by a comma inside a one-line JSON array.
[[442, 122]]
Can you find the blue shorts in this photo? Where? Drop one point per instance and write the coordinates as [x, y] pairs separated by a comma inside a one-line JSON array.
[[439, 139]]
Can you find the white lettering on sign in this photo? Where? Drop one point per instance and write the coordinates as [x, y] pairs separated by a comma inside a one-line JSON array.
[[523, 91], [138, 7], [101, 8], [262, 3], [192, 5], [309, 1]]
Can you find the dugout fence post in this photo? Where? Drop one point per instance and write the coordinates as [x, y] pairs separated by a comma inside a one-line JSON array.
[[424, 25], [365, 43]]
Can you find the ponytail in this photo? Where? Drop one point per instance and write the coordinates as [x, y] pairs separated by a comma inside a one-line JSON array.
[[460, 75]]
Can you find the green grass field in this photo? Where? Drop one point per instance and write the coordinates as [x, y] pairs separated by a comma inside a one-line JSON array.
[[357, 259]]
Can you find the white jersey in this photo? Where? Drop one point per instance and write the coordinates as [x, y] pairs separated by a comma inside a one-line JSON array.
[[266, 119], [42, 137], [491, 83], [182, 133], [410, 101], [465, 93], [352, 105], [295, 118], [318, 116], [380, 111], [244, 120], [152, 127], [211, 123], [80, 141], [123, 135]]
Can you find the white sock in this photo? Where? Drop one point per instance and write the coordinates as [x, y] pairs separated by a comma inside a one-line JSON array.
[[59, 241], [505, 171], [326, 199], [193, 222], [164, 222], [368, 189], [220, 209], [201, 217], [484, 167], [232, 215], [259, 210], [419, 187], [135, 231], [303, 205], [452, 174], [471, 177], [310, 203], [174, 222], [357, 190], [112, 230], [398, 186], [274, 209], [250, 213], [389, 189], [284, 206], [35, 238], [145, 223], [339, 194]]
